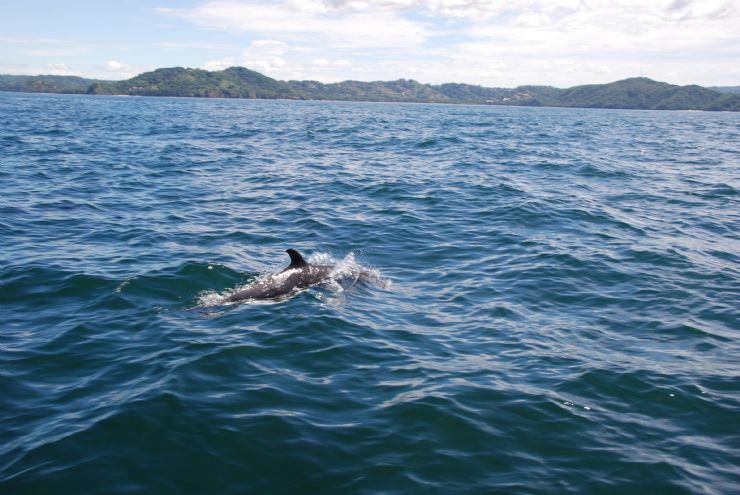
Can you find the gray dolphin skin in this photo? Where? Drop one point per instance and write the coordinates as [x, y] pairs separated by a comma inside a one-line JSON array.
[[298, 275]]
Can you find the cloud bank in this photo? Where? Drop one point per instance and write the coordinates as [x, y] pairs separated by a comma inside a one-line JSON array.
[[491, 42], [503, 43]]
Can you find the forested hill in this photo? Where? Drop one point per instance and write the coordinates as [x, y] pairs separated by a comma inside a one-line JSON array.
[[726, 89], [46, 84], [239, 82]]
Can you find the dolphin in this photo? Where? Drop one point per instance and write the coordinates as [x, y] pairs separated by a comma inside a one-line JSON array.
[[298, 275]]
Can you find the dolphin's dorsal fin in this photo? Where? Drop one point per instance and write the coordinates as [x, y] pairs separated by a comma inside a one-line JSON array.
[[296, 260]]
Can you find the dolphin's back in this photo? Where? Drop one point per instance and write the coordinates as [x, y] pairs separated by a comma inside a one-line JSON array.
[[298, 275]]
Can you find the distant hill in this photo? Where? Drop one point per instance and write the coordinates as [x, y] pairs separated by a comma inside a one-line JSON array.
[[45, 84], [239, 82], [726, 89], [234, 82], [399, 90], [644, 93]]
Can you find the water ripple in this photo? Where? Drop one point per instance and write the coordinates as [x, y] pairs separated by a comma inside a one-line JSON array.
[[554, 307]]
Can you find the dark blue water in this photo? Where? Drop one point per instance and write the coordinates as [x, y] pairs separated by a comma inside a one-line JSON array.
[[554, 309]]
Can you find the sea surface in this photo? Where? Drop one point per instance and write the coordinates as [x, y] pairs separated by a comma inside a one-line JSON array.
[[554, 306]]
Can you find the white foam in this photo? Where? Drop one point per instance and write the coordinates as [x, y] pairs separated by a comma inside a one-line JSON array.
[[210, 298]]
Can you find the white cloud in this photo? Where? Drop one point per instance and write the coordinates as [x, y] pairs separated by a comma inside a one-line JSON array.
[[297, 20], [279, 60], [118, 70], [265, 55], [322, 62], [553, 9], [491, 42], [55, 69], [112, 65], [578, 45], [58, 69], [470, 9], [220, 64], [496, 43], [261, 55], [190, 45]]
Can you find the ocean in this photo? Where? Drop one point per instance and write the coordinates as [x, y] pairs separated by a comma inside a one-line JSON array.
[[553, 307]]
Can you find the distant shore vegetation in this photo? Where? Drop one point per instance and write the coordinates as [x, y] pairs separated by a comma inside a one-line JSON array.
[[240, 82]]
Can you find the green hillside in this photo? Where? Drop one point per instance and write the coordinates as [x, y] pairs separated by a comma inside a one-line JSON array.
[[235, 82], [45, 84], [640, 93], [726, 89], [399, 90], [239, 82]]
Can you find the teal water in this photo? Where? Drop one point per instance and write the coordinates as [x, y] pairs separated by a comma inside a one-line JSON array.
[[554, 308]]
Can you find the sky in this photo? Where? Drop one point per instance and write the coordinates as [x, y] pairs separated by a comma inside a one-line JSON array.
[[498, 43]]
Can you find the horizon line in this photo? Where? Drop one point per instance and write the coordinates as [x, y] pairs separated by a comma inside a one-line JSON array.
[[365, 81]]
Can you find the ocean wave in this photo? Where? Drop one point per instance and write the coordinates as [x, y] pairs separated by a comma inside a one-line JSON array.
[[534, 300]]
